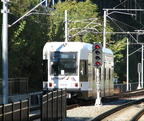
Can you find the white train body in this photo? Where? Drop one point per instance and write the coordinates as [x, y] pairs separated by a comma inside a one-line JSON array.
[[68, 65]]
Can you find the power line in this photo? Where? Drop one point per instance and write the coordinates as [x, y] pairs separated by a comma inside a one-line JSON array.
[[119, 4], [122, 23], [136, 6]]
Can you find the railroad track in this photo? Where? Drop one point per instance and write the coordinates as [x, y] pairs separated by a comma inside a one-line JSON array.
[[115, 112], [138, 115], [89, 102], [122, 95], [35, 111], [109, 98]]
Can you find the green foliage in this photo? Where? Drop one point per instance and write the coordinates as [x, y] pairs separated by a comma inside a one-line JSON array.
[[118, 49], [80, 15], [20, 29], [19, 7], [28, 36], [26, 41]]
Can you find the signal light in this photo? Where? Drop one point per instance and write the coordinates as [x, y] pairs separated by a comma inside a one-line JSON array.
[[97, 47], [97, 55], [97, 52], [98, 63]]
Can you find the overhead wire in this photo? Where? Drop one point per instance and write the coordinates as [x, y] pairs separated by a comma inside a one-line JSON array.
[[136, 5], [140, 14], [122, 29], [114, 20], [123, 23], [119, 4]]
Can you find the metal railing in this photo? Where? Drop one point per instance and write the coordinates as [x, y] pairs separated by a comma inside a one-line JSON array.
[[16, 86], [18, 111], [53, 106], [123, 87]]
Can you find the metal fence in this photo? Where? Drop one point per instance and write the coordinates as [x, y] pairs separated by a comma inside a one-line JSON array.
[[16, 86], [18, 111], [123, 87], [53, 106]]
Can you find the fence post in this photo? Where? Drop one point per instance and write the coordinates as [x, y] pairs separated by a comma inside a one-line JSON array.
[[12, 111], [28, 111], [20, 110], [52, 106], [61, 103], [41, 107], [47, 107], [3, 112], [65, 103], [56, 104]]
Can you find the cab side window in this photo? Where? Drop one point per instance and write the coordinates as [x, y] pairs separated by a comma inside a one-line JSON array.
[[83, 68]]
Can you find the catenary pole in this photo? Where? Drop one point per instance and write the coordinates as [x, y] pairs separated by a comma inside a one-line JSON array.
[[127, 65], [5, 52], [142, 67], [5, 26], [66, 26], [104, 30]]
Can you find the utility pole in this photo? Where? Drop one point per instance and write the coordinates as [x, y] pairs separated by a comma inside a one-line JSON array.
[[5, 12], [66, 27], [127, 65], [107, 13], [139, 73], [142, 67], [5, 51], [104, 30]]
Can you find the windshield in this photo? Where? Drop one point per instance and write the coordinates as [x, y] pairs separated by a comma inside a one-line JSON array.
[[63, 63]]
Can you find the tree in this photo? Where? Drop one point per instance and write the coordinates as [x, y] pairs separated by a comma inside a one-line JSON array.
[[82, 13], [26, 41], [28, 36]]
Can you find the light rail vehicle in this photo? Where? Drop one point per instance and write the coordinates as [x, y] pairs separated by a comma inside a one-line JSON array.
[[68, 65]]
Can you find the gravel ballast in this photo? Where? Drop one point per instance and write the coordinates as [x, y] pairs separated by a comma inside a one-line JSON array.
[[87, 113]]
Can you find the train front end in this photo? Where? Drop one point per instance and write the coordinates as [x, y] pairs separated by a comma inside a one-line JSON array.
[[60, 67]]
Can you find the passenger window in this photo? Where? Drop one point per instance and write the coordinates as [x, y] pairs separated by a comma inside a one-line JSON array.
[[105, 73], [45, 70], [83, 68], [109, 74]]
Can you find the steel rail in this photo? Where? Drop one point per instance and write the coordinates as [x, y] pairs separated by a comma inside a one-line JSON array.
[[137, 116], [111, 111]]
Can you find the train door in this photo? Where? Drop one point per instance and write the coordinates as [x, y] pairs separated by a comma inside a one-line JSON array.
[[84, 78]]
